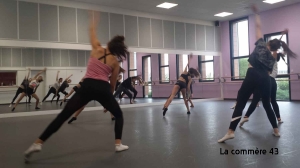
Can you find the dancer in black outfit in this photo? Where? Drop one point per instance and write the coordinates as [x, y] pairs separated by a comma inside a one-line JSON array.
[[126, 85], [273, 86], [62, 88], [22, 88], [183, 84], [257, 78], [54, 88], [95, 86]]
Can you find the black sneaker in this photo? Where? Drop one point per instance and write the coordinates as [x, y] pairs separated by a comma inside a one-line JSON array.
[[165, 110], [113, 118], [188, 112], [72, 119], [13, 109], [37, 108], [61, 103]]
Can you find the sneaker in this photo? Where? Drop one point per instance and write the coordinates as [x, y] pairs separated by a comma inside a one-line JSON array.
[[37, 108], [233, 107], [10, 105], [32, 149], [226, 137], [188, 112], [243, 121], [13, 109], [72, 119], [279, 121], [41, 103], [120, 147], [61, 103]]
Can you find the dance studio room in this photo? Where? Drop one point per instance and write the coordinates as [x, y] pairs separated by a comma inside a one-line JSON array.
[[144, 84]]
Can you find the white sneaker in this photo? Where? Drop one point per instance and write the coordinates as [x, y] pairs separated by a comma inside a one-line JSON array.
[[233, 107], [10, 105], [279, 121], [243, 121], [32, 149], [226, 137], [276, 134], [41, 103], [119, 101], [120, 147]]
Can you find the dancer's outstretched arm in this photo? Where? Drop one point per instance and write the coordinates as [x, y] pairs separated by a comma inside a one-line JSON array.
[[68, 77], [93, 36], [26, 77], [257, 23], [38, 74], [57, 76]]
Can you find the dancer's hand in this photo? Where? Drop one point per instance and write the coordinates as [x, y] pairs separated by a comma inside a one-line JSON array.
[[285, 31], [105, 110]]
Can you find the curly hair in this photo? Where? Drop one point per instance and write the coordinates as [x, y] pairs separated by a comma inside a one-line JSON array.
[[118, 48], [194, 72]]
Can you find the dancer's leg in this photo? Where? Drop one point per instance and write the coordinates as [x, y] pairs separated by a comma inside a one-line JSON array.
[[48, 94], [76, 115], [173, 94], [134, 92], [19, 91], [37, 100], [183, 92], [252, 107], [18, 101], [273, 98], [58, 96]]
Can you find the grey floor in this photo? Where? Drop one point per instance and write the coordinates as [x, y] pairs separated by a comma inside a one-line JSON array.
[[23, 107], [176, 141]]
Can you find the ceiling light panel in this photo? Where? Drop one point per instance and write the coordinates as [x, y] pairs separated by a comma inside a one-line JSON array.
[[166, 5], [223, 14], [273, 1]]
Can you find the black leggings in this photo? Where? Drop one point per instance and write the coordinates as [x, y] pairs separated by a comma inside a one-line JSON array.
[[58, 96], [255, 80], [124, 90], [256, 98], [20, 90], [51, 90], [90, 90], [132, 89]]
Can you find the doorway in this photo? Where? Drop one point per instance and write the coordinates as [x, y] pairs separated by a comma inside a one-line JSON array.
[[146, 64], [283, 77]]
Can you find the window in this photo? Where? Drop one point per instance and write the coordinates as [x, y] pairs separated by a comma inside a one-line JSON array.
[[182, 61], [206, 68], [282, 79], [239, 44], [132, 65], [8, 78], [164, 71]]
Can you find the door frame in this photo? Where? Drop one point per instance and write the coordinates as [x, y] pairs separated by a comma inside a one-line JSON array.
[[288, 61], [143, 71]]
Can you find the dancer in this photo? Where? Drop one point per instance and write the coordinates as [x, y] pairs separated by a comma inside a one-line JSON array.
[[54, 88], [189, 95], [22, 88], [257, 78], [273, 91], [30, 91], [62, 88], [126, 85], [102, 63], [183, 85]]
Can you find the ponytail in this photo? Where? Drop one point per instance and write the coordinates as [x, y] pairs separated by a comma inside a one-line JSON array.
[[287, 50]]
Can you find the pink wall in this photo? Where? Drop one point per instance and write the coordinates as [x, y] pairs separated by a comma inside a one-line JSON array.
[[272, 21]]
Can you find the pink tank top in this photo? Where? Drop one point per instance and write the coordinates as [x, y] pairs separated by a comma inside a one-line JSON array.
[[97, 70]]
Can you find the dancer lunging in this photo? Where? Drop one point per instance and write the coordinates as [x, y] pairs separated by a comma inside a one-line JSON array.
[[273, 86], [30, 91], [257, 78], [62, 88], [183, 85], [102, 63], [54, 88], [22, 88]]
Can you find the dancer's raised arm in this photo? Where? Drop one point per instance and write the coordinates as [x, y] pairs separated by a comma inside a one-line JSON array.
[[93, 36], [38, 74], [257, 22]]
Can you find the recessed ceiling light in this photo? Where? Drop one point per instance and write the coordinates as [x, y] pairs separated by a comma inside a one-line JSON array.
[[223, 14], [166, 5], [272, 1]]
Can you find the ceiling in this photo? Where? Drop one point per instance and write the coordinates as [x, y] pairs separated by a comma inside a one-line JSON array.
[[194, 9]]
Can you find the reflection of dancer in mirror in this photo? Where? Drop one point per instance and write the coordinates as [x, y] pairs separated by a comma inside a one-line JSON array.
[[54, 88], [30, 91], [103, 62], [257, 77], [22, 88], [62, 88], [183, 85], [273, 86]]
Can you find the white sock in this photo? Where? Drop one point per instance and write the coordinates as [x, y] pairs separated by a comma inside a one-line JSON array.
[[32, 149], [276, 134], [121, 147], [243, 121], [226, 137]]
